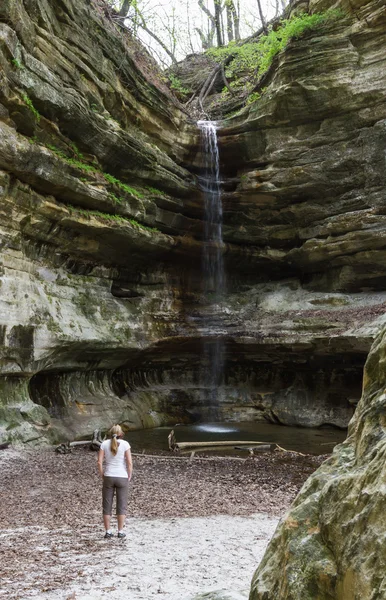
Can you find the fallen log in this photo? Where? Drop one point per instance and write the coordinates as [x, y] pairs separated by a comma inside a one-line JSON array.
[[94, 444], [280, 449], [251, 447], [220, 444]]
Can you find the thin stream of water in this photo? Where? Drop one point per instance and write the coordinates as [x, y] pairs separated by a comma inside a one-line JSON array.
[[212, 266]]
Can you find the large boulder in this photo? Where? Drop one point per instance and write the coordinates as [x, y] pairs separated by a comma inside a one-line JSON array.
[[330, 545]]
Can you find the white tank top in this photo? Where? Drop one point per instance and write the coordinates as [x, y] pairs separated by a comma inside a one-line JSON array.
[[115, 466]]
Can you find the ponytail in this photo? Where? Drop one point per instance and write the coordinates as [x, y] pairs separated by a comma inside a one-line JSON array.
[[115, 431]]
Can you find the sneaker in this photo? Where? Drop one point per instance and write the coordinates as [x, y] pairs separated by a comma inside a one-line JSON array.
[[108, 535], [121, 535]]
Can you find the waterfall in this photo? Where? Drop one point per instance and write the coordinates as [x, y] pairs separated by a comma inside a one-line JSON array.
[[212, 267]]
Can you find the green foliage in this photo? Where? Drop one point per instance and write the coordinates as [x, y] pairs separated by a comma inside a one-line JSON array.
[[31, 107], [73, 162], [140, 226], [109, 217], [177, 85], [75, 150], [16, 63], [222, 53], [154, 191], [123, 186], [86, 168], [251, 60], [275, 41], [253, 97], [115, 198]]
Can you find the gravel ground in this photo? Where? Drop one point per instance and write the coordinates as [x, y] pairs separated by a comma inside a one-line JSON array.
[[193, 526]]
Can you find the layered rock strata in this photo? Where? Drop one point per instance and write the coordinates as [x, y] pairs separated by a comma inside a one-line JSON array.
[[102, 313], [94, 193]]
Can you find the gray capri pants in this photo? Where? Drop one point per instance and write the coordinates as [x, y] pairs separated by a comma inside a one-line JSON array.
[[121, 487]]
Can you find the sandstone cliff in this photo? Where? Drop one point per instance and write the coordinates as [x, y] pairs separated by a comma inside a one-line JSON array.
[[328, 545], [94, 192], [102, 315]]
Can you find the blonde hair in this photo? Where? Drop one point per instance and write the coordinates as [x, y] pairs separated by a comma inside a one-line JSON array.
[[115, 431]]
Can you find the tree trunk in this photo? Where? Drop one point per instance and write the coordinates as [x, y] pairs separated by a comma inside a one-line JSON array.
[[217, 20], [236, 20], [263, 24], [125, 8], [229, 22]]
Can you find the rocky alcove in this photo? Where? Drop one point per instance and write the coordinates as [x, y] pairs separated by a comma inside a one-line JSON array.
[[104, 315]]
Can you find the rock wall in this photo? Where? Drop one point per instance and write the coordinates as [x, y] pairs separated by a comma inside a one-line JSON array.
[[102, 315], [93, 194], [305, 193], [330, 544]]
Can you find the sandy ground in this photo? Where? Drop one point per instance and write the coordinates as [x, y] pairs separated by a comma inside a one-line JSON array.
[[193, 526]]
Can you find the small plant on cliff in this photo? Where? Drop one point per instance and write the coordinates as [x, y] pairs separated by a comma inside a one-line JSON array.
[[115, 198], [252, 98], [154, 191], [31, 107], [109, 217], [86, 168], [76, 151], [127, 188], [16, 63], [177, 86]]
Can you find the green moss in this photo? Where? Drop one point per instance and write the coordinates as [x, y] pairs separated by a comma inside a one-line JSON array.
[[31, 107], [123, 186], [86, 168], [16, 63], [154, 191], [110, 217]]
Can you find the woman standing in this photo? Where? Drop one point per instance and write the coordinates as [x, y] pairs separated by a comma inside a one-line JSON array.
[[116, 476]]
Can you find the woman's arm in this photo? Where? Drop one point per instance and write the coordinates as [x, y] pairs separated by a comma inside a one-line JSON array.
[[101, 455], [129, 463]]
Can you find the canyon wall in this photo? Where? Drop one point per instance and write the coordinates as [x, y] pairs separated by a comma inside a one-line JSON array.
[[329, 544], [102, 313]]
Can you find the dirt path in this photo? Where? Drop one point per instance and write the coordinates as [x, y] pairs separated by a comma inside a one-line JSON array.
[[192, 527]]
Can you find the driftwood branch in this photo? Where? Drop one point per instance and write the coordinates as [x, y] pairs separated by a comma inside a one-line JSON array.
[[248, 446], [93, 444], [225, 80]]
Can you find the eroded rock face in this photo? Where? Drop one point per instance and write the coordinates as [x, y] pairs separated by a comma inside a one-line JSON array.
[[308, 157], [102, 314], [329, 545], [93, 194]]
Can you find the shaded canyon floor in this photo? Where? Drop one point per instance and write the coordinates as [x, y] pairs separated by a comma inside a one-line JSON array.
[[193, 526]]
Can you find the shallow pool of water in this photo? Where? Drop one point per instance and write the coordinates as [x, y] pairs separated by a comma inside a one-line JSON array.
[[308, 441]]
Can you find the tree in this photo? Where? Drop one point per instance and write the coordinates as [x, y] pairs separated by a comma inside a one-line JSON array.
[[173, 28], [233, 20], [125, 8], [262, 19]]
